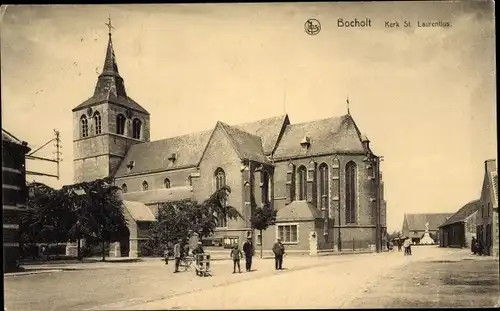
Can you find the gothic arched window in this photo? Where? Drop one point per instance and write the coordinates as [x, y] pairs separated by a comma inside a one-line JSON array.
[[120, 124], [265, 187], [136, 129], [323, 186], [97, 122], [166, 183], [302, 178], [84, 126], [124, 188], [220, 181], [350, 192], [144, 186]]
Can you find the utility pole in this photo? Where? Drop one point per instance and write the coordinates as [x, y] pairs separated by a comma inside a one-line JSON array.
[[57, 160], [58, 152], [378, 243]]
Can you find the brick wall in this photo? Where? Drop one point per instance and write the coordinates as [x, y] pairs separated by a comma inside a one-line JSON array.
[[98, 156], [220, 153], [157, 180]]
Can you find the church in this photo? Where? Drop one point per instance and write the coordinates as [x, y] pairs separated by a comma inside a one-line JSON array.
[[320, 176]]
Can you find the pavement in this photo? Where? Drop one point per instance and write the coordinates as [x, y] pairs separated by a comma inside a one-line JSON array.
[[350, 281]]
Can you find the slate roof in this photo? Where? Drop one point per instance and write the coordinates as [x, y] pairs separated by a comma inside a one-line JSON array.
[[110, 85], [159, 195], [463, 213], [153, 156], [248, 146], [267, 129], [138, 211], [298, 210], [339, 134], [8, 137], [417, 222]]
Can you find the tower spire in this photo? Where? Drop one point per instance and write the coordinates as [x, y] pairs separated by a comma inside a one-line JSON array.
[[347, 102], [109, 80]]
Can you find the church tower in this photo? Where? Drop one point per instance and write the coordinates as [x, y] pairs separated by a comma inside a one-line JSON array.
[[106, 124]]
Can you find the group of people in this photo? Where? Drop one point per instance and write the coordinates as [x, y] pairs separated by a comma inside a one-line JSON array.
[[181, 249], [248, 250], [404, 244], [477, 246]]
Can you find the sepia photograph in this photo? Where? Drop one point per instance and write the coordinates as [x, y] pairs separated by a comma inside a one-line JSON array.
[[301, 155]]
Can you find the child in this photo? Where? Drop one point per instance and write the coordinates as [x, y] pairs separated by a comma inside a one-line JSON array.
[[236, 254]]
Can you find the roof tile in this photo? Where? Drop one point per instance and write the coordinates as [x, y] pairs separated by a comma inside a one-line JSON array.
[[298, 210], [248, 146], [154, 156], [326, 136], [418, 221], [138, 211], [464, 212]]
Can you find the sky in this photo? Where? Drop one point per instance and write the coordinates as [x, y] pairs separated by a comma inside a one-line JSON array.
[[425, 97]]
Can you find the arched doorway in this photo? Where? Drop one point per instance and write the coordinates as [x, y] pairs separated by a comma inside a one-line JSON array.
[[125, 244]]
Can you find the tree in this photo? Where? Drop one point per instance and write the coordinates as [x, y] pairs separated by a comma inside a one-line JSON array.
[[181, 219], [96, 212], [45, 220], [262, 218]]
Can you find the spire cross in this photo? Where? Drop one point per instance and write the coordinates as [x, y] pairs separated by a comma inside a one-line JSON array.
[[110, 26], [347, 101]]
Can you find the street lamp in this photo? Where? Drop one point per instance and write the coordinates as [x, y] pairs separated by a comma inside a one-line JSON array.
[[373, 160]]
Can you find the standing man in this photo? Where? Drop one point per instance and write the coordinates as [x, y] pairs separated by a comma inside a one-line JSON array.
[[248, 250], [177, 255], [279, 251], [236, 255]]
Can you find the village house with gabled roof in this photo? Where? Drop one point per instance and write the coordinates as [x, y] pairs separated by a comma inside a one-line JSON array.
[[460, 228], [487, 224], [315, 174], [414, 225]]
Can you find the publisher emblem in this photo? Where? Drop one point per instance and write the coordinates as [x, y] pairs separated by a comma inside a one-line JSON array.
[[312, 27]]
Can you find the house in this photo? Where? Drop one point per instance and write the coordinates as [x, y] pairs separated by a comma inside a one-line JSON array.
[[487, 224], [322, 176], [459, 229], [414, 225], [14, 195]]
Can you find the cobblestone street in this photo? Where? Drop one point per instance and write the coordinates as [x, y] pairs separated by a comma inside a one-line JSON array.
[[361, 280]]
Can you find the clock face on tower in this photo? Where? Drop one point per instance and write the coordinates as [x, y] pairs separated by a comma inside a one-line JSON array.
[[129, 113]]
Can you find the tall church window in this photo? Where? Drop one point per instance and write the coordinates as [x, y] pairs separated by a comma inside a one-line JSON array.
[[350, 192], [302, 177], [323, 186], [124, 188], [97, 122], [166, 183], [136, 129], [120, 124], [220, 181], [84, 126], [265, 187], [144, 186]]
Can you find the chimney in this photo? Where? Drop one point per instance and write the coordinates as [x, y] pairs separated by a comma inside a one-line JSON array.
[[490, 165], [365, 141]]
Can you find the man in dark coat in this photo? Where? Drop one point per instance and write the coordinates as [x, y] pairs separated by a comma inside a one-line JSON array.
[[248, 250], [279, 251]]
